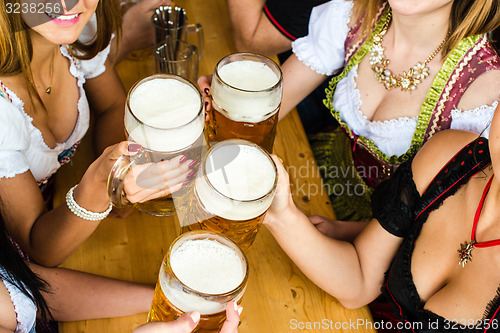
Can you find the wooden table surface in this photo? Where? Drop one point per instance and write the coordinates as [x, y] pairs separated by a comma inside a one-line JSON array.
[[279, 298]]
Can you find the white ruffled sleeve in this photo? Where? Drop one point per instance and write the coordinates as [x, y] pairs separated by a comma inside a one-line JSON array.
[[93, 67], [477, 120], [323, 48], [14, 140]]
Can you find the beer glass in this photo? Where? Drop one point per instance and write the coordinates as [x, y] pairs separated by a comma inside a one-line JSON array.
[[233, 190], [246, 95], [202, 271], [164, 113], [177, 57], [173, 23]]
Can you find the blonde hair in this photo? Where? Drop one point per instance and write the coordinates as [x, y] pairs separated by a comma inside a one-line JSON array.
[[467, 18], [16, 49]]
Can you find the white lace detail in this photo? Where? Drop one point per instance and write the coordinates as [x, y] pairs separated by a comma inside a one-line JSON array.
[[477, 111], [82, 101], [394, 136], [477, 120], [300, 50], [24, 307], [96, 66]]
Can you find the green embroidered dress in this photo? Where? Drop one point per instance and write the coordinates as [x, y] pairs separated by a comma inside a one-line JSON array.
[[353, 164]]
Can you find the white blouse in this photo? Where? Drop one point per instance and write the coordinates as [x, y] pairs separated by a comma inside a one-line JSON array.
[[22, 147], [323, 51], [24, 306]]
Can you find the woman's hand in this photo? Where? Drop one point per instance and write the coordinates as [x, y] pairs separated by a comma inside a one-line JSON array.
[[341, 230], [187, 322], [323, 224], [137, 29], [143, 182], [154, 180], [283, 197], [204, 82]]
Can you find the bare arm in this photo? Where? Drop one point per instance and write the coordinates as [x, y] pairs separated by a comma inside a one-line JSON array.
[[483, 91], [50, 236], [76, 295], [107, 99], [341, 230], [353, 273], [298, 82], [252, 30], [137, 29]]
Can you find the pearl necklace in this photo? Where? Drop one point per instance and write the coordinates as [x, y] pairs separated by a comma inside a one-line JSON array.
[[407, 81]]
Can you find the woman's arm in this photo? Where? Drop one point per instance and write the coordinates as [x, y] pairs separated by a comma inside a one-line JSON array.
[[252, 30], [137, 29], [341, 230], [49, 237], [353, 273], [77, 295], [298, 82], [107, 99]]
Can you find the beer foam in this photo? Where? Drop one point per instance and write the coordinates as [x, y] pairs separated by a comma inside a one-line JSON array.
[[206, 266], [167, 107], [253, 103], [244, 176], [165, 103], [248, 75]]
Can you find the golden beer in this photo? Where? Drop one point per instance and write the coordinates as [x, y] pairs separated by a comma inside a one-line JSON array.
[[246, 95], [199, 261], [164, 113], [234, 188]]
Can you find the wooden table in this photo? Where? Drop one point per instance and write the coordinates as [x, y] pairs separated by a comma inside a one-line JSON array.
[[279, 298]]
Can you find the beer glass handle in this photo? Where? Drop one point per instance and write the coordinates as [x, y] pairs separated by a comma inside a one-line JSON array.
[[199, 31], [116, 182]]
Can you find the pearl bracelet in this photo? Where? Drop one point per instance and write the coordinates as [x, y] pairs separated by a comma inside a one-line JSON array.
[[82, 212]]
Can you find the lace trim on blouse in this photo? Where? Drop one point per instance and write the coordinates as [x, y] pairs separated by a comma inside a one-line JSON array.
[[24, 307], [393, 136], [48, 157], [18, 103]]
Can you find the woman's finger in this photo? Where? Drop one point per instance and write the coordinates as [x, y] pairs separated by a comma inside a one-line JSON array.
[[140, 194], [184, 324], [233, 312], [204, 82]]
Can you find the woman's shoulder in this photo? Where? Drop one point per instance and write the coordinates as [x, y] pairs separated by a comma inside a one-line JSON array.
[[323, 48], [483, 91], [436, 153]]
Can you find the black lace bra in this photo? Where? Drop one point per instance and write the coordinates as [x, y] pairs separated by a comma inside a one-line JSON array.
[[400, 210]]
